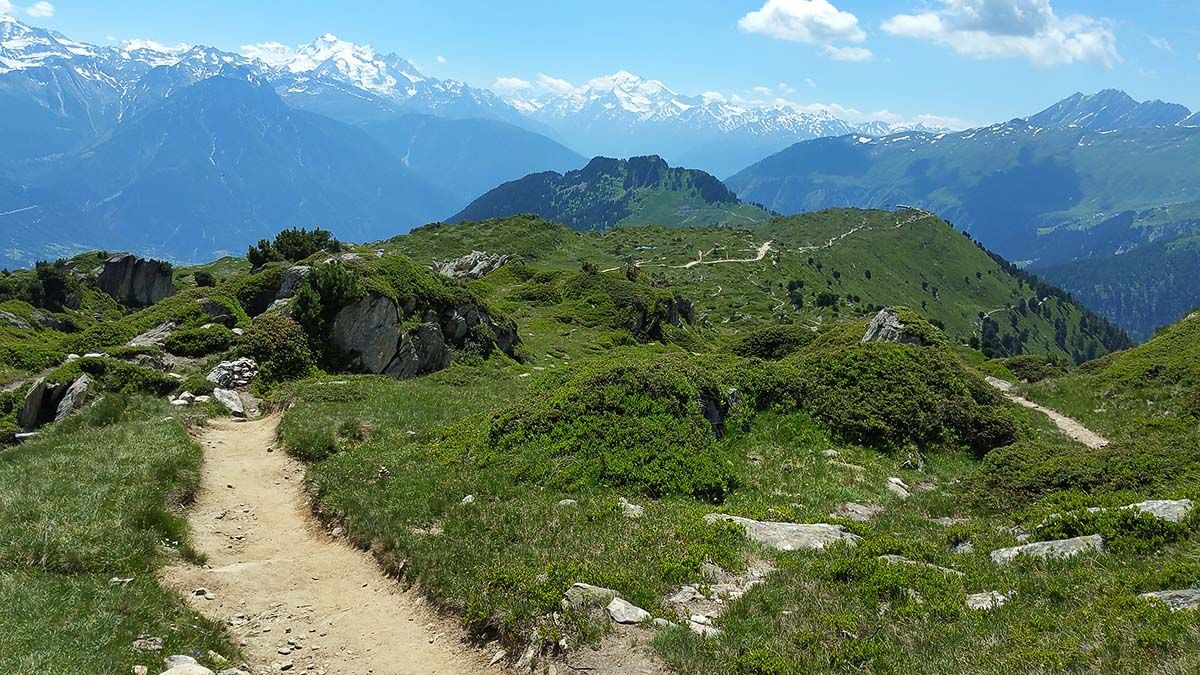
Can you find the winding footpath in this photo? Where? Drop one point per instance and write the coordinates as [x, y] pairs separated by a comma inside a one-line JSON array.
[[1069, 426], [295, 599]]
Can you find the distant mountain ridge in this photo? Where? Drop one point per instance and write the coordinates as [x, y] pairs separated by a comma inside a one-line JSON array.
[[611, 192], [1113, 110]]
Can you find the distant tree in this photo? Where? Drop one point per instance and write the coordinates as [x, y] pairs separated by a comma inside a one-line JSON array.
[[204, 278], [826, 299]]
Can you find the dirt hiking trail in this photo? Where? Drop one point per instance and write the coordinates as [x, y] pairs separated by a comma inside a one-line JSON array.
[[294, 598], [1069, 426]]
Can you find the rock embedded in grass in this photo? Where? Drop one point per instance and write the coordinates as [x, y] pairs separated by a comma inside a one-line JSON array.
[[988, 600], [901, 560], [631, 510], [585, 596], [790, 536], [1188, 598], [898, 488], [624, 612], [859, 513], [1171, 510], [1062, 548]]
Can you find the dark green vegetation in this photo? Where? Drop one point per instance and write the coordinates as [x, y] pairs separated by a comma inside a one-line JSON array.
[[292, 245], [813, 269], [713, 426], [1049, 195], [611, 192], [1140, 290], [97, 499]]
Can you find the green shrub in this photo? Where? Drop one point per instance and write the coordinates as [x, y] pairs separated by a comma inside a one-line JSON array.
[[204, 279], [111, 375], [539, 294], [628, 423], [1037, 367], [322, 294], [280, 347], [889, 396], [197, 342], [773, 342], [1124, 530]]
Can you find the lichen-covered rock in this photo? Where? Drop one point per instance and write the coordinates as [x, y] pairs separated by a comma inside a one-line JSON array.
[[887, 327], [622, 611], [41, 404], [473, 265], [1062, 548], [1188, 598], [581, 597], [292, 277], [135, 281], [790, 536]]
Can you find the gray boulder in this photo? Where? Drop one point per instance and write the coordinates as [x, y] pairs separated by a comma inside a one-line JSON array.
[[473, 265], [586, 596], [790, 536], [75, 398], [621, 611], [859, 513], [41, 404], [1183, 599], [135, 281], [10, 319], [231, 401], [155, 337], [292, 277], [887, 327], [988, 600], [1062, 548]]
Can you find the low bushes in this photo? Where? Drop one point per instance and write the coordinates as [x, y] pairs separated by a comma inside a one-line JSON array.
[[773, 342], [197, 342], [637, 423], [280, 347]]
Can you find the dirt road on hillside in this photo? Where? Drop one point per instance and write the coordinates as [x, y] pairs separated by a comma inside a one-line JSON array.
[[288, 592]]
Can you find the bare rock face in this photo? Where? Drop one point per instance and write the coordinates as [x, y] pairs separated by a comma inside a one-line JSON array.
[[155, 337], [371, 332], [135, 281], [292, 277], [887, 327], [41, 404], [474, 265]]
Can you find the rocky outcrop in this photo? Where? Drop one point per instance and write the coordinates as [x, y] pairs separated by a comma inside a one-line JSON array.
[[74, 399], [474, 265], [887, 327], [155, 337], [790, 536], [292, 277], [1188, 598], [1062, 548], [136, 282], [51, 402], [371, 332]]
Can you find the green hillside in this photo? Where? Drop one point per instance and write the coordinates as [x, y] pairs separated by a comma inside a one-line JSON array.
[[1048, 195], [610, 192], [809, 270], [1140, 290]]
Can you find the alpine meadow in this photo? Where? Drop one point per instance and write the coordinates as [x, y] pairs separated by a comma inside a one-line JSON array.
[[432, 349]]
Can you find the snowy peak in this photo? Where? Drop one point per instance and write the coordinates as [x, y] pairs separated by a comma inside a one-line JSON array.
[[23, 46], [1110, 110], [355, 64]]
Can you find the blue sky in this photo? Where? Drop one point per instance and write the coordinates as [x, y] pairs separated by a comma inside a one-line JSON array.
[[974, 60]]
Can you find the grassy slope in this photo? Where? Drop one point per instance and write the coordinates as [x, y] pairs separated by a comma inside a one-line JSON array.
[[906, 265], [86, 502], [506, 559]]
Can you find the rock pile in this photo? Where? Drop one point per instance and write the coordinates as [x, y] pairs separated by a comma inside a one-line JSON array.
[[234, 374], [474, 265]]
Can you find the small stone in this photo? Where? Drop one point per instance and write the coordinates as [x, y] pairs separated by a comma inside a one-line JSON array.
[[584, 596], [138, 670], [630, 509], [469, 499], [660, 622], [686, 594], [964, 548], [859, 513], [498, 657], [898, 488], [569, 504], [949, 521], [148, 644], [623, 612], [830, 453], [986, 601]]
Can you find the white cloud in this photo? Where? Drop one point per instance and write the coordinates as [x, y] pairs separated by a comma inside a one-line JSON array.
[[993, 29], [6, 7], [814, 22], [713, 97], [762, 91], [812, 84], [856, 54], [785, 89], [510, 85], [40, 10], [554, 84], [441, 59], [1161, 43]]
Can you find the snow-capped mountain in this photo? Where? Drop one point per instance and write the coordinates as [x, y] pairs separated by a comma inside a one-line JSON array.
[[1111, 110], [623, 114]]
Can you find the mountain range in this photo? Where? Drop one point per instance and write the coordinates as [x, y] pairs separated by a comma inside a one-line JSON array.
[[611, 192]]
